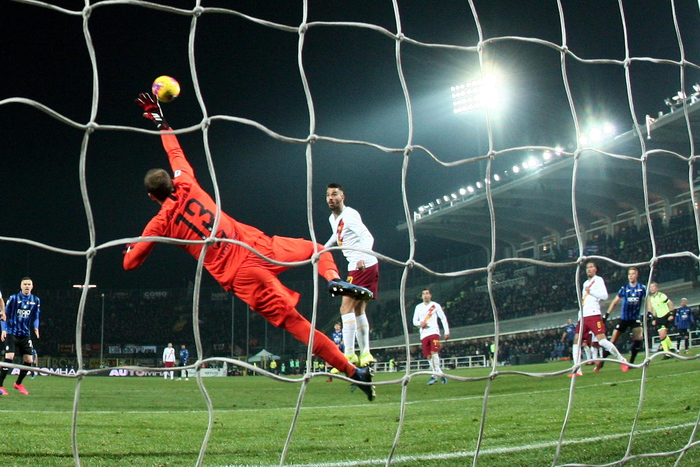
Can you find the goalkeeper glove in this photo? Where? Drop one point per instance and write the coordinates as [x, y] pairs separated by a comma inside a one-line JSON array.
[[151, 110]]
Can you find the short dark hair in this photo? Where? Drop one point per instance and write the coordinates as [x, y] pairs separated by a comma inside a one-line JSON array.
[[336, 185], [158, 183]]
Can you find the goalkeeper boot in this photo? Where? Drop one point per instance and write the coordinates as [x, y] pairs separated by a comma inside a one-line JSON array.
[[338, 287], [366, 359], [444, 380], [432, 380], [352, 358], [364, 375]]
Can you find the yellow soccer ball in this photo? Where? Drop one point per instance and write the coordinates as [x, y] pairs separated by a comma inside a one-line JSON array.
[[165, 88]]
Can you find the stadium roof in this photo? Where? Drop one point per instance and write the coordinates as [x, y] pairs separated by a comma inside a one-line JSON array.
[[537, 203]]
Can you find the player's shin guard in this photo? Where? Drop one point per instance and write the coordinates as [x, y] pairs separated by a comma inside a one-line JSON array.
[[349, 332], [610, 347], [3, 372], [436, 364], [362, 333], [327, 267], [22, 374], [636, 347], [324, 348], [576, 350]]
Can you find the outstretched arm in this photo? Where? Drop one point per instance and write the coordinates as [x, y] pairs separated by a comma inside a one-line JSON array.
[[135, 254], [176, 156]]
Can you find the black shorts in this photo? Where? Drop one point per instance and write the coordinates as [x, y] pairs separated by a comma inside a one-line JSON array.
[[683, 333], [626, 324], [18, 345], [663, 323]]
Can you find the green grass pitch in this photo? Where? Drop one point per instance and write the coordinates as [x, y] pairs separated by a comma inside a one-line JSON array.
[[151, 422]]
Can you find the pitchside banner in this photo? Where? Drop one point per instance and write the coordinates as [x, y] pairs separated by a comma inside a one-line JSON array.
[[206, 372]]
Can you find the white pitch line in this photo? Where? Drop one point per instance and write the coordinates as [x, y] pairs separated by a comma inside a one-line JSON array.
[[466, 454]]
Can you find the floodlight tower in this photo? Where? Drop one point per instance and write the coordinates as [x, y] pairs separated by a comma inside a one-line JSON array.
[[479, 94]]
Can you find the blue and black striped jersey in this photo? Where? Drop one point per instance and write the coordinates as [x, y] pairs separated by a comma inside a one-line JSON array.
[[22, 314], [684, 317], [631, 296]]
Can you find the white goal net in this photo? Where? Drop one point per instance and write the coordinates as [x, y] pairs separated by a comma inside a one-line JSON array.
[[493, 148]]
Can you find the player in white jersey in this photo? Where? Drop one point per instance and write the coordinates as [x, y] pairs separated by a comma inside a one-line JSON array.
[[590, 318], [169, 361], [426, 317], [363, 270]]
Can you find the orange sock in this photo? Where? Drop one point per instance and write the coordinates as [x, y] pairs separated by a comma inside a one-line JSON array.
[[324, 348], [327, 267]]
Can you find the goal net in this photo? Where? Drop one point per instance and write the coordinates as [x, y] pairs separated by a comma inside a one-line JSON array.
[[493, 148]]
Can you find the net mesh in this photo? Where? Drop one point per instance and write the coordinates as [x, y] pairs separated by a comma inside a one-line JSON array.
[[571, 62]]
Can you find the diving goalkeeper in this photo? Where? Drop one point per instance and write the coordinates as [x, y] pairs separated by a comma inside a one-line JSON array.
[[187, 212]]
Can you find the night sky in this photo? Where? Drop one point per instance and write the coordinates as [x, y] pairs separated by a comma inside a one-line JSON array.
[[247, 70]]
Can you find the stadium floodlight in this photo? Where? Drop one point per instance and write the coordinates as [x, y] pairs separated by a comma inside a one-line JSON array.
[[496, 177], [546, 155], [446, 198], [462, 191], [516, 169], [478, 185], [470, 189], [454, 195], [478, 94]]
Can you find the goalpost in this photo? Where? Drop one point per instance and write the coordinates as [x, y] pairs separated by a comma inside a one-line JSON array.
[[396, 133]]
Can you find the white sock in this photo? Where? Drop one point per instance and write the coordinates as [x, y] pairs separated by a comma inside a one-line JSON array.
[[587, 351], [436, 364], [349, 331], [576, 351], [362, 333], [610, 347]]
